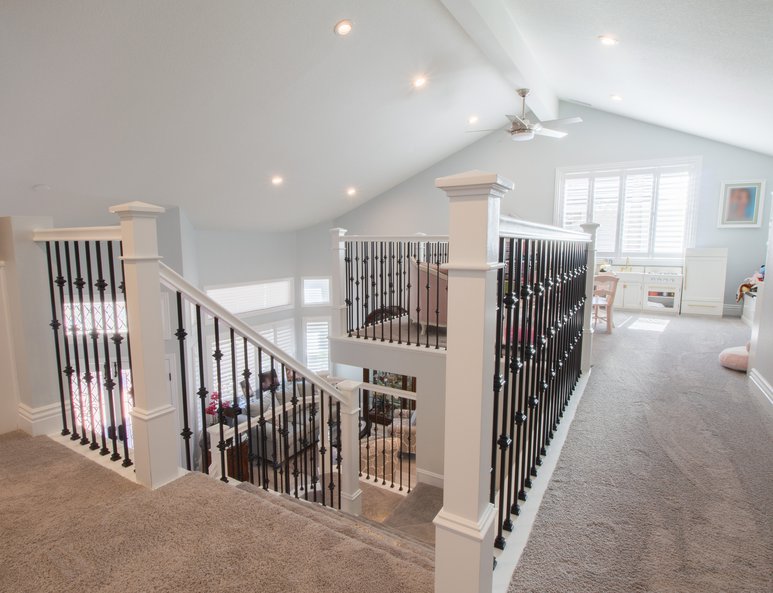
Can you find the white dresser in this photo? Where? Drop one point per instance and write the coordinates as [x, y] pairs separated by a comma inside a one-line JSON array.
[[703, 292]]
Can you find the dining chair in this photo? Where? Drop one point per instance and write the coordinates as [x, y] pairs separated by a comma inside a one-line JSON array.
[[604, 289]]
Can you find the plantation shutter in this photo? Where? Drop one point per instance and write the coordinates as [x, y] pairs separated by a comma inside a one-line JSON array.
[[606, 198], [671, 215], [637, 213], [316, 291], [575, 198], [317, 348]]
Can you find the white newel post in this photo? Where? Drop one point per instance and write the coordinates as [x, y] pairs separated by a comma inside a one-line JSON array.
[[464, 527], [153, 416], [587, 324], [351, 495], [338, 255]]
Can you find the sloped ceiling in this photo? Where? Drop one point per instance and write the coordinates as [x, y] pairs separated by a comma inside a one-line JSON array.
[[198, 104]]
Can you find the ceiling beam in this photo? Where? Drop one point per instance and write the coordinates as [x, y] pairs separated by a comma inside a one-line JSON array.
[[492, 27]]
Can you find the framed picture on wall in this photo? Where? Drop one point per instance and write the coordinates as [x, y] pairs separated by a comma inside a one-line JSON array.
[[740, 204]]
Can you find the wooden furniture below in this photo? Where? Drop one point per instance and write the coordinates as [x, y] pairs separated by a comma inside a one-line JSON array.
[[704, 281], [604, 290]]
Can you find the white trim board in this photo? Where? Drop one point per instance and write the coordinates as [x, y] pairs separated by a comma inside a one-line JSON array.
[[761, 384], [507, 559], [41, 420], [93, 455]]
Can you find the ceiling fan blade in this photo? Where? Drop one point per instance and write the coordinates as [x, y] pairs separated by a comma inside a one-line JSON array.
[[563, 122], [549, 133], [490, 130]]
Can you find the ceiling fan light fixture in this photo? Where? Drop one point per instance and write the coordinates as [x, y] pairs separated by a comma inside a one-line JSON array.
[[522, 135]]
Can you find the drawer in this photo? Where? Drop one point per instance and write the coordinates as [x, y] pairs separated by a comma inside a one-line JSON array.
[[692, 307]]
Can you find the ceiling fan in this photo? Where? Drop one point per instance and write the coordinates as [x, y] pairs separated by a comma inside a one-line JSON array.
[[522, 129]]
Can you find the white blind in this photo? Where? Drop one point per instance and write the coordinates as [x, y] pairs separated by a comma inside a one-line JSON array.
[[606, 199], [575, 207], [643, 210], [282, 335], [316, 291], [637, 210], [254, 297], [316, 332], [673, 194]]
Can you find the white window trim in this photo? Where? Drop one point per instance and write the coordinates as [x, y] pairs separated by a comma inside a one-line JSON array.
[[695, 162], [330, 291], [254, 312]]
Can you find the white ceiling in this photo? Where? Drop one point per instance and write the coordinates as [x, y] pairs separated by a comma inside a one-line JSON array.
[[699, 66], [198, 104]]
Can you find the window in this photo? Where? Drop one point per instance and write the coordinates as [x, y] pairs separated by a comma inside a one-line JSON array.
[[316, 291], [256, 296], [643, 209], [316, 332]]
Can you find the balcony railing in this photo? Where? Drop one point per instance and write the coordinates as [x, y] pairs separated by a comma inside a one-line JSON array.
[[395, 289]]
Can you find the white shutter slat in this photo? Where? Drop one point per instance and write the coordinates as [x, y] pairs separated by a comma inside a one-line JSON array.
[[606, 199], [671, 216], [576, 196], [316, 291], [254, 297], [317, 348], [637, 212]]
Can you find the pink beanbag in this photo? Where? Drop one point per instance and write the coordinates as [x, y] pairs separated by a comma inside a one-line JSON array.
[[736, 358]]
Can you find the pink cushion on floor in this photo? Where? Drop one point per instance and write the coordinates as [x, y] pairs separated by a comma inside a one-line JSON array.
[[736, 358]]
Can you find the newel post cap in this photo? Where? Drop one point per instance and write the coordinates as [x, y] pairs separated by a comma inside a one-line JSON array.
[[590, 228], [475, 179], [136, 209]]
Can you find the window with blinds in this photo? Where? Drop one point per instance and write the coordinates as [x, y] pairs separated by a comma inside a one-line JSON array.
[[280, 333], [316, 292], [643, 209], [256, 296], [316, 332]]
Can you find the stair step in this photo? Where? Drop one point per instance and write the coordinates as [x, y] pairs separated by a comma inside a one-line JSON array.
[[369, 532]]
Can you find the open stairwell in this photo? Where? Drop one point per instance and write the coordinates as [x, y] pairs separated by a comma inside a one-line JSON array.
[[70, 524]]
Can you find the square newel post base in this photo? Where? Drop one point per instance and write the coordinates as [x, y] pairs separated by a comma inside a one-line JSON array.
[[461, 543], [351, 495]]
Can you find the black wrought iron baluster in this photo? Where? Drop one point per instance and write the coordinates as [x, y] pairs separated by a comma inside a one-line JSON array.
[[331, 428], [108, 382], [365, 285], [339, 459], [202, 393], [527, 359], [262, 435], [94, 334], [236, 410], [55, 325], [419, 289], [180, 334], [79, 283], [410, 449], [285, 433], [348, 281], [499, 381], [382, 284], [428, 286], [393, 402], [437, 297], [246, 374], [323, 431], [383, 440], [130, 391], [514, 367], [117, 340], [305, 444], [400, 452], [375, 448], [275, 443], [221, 446], [400, 291], [296, 430], [538, 386], [374, 292], [68, 369], [357, 284], [408, 289]]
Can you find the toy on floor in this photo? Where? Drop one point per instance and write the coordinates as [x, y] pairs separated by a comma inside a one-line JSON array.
[[735, 358]]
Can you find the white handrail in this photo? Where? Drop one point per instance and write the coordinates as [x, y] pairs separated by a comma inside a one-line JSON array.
[[383, 389], [174, 281], [523, 229], [377, 238], [94, 233]]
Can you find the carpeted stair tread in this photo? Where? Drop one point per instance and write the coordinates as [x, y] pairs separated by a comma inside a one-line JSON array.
[[374, 534]]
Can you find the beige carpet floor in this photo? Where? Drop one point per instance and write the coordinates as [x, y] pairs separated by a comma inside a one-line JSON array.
[[68, 524], [665, 483]]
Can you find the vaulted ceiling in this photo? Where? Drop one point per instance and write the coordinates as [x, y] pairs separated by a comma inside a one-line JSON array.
[[200, 104]]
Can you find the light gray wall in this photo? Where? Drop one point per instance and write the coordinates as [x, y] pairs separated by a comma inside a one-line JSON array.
[[416, 206]]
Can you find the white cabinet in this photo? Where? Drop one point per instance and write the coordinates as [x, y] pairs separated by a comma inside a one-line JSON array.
[[630, 294], [703, 292]]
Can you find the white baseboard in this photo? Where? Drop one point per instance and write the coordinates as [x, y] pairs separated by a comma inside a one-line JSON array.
[[424, 476], [762, 384], [41, 420], [732, 310]]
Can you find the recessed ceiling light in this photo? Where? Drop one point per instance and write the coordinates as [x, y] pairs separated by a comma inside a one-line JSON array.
[[419, 81], [277, 180], [343, 27], [608, 40], [41, 187], [615, 97], [473, 119], [351, 191]]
